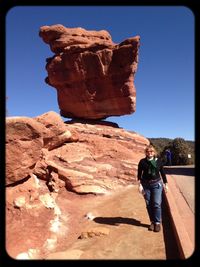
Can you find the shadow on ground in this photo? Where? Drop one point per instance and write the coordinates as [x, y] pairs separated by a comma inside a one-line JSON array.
[[171, 246], [119, 220], [180, 170]]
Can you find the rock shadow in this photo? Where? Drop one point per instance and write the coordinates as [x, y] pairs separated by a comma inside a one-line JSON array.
[[119, 220], [93, 122]]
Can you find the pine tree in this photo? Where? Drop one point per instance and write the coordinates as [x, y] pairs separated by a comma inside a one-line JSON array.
[[180, 151]]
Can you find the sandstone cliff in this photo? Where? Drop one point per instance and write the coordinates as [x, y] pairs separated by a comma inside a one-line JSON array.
[[48, 164]]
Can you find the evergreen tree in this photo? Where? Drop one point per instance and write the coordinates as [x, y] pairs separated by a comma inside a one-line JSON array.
[[161, 144], [180, 151]]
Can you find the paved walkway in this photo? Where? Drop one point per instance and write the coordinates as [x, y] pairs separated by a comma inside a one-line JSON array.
[[181, 207], [185, 181]]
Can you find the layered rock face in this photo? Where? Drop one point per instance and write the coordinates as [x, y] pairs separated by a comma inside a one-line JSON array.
[[93, 76], [88, 157], [52, 170]]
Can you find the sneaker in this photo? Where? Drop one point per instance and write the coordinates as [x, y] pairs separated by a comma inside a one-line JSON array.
[[157, 227], [151, 227]]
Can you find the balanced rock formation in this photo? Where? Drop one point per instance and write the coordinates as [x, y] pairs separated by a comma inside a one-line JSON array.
[[93, 76]]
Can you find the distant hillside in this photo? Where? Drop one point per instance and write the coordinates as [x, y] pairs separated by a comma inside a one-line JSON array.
[[161, 143]]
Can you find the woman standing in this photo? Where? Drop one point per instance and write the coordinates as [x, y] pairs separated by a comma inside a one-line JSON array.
[[152, 179]]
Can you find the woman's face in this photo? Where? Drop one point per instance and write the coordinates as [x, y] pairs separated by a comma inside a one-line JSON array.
[[150, 153]]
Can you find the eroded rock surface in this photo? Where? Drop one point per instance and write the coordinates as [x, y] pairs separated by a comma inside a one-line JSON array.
[[88, 157], [93, 76], [24, 145], [56, 167]]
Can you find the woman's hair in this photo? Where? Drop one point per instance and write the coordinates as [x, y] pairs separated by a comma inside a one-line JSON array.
[[150, 147]]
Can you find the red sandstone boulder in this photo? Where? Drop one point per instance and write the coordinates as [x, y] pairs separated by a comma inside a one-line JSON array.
[[55, 132], [23, 147], [93, 76]]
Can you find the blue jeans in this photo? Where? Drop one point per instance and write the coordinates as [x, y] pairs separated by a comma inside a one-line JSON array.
[[153, 199]]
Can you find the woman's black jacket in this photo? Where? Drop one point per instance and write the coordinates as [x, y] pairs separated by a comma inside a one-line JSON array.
[[143, 170]]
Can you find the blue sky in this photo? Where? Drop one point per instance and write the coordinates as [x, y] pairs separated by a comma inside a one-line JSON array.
[[164, 80]]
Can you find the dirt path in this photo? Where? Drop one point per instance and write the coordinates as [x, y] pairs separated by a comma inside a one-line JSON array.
[[124, 215]]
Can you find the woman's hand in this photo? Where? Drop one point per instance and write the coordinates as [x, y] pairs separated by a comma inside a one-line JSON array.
[[141, 189], [165, 186]]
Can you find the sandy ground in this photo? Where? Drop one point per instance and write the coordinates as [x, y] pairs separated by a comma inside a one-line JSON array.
[[123, 214]]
